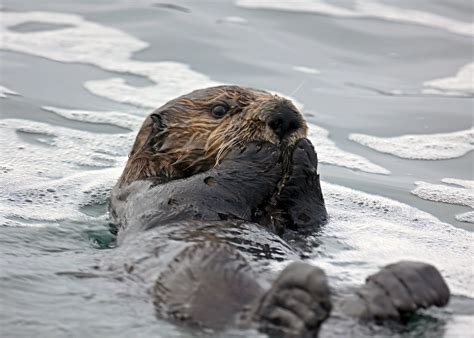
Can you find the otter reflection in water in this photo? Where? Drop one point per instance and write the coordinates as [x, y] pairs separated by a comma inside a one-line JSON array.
[[216, 183]]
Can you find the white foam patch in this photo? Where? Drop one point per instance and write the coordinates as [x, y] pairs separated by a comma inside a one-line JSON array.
[[459, 326], [366, 9], [422, 146], [319, 7], [460, 84], [468, 184], [467, 217], [48, 173], [119, 119], [235, 19], [463, 194], [107, 48], [306, 70], [366, 232], [4, 92], [329, 153]]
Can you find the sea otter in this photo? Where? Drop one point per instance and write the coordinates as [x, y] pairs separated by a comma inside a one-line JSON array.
[[219, 184]]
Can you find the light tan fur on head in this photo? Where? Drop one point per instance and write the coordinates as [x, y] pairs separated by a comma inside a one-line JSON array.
[[183, 137]]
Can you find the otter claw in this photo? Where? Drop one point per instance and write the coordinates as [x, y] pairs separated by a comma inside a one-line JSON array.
[[259, 152]]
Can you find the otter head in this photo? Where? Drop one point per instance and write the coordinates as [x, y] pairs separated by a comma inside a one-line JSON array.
[[196, 131]]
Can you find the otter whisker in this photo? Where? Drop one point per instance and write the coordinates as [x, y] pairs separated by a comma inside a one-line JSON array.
[[302, 83]]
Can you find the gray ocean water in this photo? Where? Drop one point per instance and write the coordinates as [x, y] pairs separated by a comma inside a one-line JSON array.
[[78, 77]]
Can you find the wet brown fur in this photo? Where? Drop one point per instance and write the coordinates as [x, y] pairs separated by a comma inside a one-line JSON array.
[[182, 137]]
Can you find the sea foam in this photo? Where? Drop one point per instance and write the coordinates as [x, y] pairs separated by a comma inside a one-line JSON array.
[[4, 92], [461, 194], [45, 178], [366, 9], [455, 191], [467, 217], [87, 42], [461, 84], [366, 232], [108, 48], [44, 181], [48, 173], [422, 146], [118, 119], [51, 173], [329, 153]]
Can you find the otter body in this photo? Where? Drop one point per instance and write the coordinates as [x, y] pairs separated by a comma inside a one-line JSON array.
[[219, 184]]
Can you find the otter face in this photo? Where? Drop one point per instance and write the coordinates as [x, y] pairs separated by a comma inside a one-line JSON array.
[[196, 131]]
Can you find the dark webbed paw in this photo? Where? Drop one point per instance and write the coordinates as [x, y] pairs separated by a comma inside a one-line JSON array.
[[399, 289], [245, 178], [301, 195], [296, 304]]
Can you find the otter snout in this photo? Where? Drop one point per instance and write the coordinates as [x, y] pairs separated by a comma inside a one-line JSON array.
[[284, 121]]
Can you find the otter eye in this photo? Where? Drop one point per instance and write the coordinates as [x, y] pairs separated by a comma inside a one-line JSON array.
[[219, 111]]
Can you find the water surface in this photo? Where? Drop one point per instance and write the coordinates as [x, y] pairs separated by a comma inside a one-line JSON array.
[[77, 79]]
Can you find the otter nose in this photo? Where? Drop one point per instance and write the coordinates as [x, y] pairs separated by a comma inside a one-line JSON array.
[[284, 121]]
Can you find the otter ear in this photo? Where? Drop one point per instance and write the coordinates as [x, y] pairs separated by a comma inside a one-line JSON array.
[[147, 134], [157, 122]]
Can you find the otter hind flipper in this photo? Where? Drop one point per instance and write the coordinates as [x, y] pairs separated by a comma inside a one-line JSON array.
[[208, 284], [297, 303]]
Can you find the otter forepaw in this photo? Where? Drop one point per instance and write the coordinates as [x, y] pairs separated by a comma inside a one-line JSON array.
[[301, 196], [397, 290], [296, 304], [304, 155], [412, 285]]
